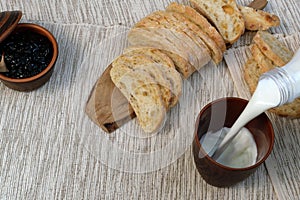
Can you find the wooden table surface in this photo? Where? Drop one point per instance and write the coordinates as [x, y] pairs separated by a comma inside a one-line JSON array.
[[41, 154]]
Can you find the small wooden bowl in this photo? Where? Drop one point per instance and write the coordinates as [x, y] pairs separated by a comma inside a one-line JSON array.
[[36, 81], [214, 116]]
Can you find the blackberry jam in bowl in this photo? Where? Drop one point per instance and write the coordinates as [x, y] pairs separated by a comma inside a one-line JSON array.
[[30, 52]]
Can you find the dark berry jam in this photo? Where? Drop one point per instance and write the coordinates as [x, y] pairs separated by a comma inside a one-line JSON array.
[[26, 54]]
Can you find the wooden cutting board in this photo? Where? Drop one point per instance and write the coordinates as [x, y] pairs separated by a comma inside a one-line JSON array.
[[107, 106]]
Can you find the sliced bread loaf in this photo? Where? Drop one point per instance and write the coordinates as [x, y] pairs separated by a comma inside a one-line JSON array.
[[156, 38], [225, 15], [195, 17], [176, 45], [199, 36], [166, 20]]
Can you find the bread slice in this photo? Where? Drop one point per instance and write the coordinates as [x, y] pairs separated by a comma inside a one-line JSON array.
[[155, 54], [182, 65], [225, 15], [167, 20], [144, 95], [157, 38], [178, 46], [258, 19], [199, 36], [167, 68], [195, 17], [264, 63], [272, 48], [138, 59]]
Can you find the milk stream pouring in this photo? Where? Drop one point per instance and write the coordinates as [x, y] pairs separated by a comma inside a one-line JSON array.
[[275, 88]]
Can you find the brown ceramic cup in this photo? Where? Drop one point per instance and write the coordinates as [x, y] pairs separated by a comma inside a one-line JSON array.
[[34, 82], [214, 116]]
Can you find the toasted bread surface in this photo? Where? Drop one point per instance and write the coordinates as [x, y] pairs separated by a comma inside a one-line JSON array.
[[225, 16], [264, 63], [162, 62], [272, 48], [258, 19], [136, 80], [139, 58]]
